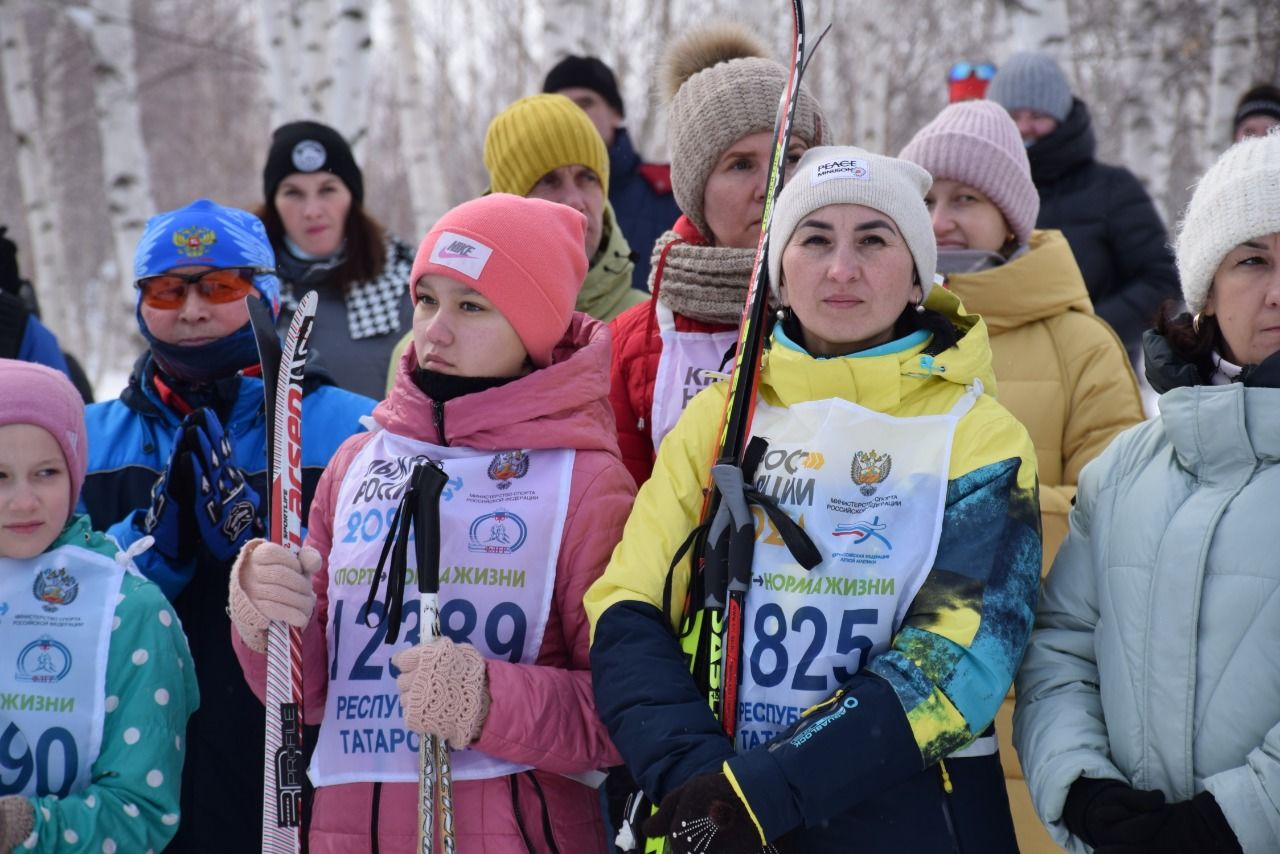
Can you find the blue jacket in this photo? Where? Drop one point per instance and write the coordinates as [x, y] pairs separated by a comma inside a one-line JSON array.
[[129, 444], [40, 345], [642, 202]]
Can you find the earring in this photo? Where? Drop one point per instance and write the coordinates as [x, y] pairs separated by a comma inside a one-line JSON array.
[[1195, 323], [782, 314], [919, 308]]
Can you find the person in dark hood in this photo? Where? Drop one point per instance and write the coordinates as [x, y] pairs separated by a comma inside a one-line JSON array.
[[1109, 220]]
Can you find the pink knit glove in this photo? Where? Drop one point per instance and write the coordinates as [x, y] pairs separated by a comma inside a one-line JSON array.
[[269, 583], [444, 690], [17, 818]]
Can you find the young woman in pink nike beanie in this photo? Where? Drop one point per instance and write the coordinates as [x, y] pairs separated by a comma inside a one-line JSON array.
[[506, 388]]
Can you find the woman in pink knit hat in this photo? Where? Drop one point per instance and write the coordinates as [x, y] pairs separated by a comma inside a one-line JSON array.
[[97, 681], [506, 388], [1061, 369]]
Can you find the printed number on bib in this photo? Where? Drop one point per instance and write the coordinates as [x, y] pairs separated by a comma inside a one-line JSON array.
[[504, 632], [55, 755], [769, 659]]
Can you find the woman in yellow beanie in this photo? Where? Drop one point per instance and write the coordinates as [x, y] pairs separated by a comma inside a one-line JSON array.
[[545, 147]]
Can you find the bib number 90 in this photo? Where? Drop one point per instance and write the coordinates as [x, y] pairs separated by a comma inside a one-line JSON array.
[[55, 756]]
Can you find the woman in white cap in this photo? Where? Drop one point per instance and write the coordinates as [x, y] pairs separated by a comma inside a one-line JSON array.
[[1148, 714], [870, 681], [723, 98]]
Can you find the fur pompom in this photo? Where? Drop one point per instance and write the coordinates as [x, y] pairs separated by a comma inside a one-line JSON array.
[[703, 48]]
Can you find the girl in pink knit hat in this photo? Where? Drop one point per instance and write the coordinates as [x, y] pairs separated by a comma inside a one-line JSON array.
[[505, 386], [94, 656], [1061, 369]]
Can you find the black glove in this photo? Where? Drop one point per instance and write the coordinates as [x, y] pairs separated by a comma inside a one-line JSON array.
[[1196, 826], [705, 815], [1108, 812], [169, 518], [227, 509]]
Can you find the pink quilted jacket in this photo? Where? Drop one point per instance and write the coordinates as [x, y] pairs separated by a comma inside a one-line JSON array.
[[543, 714]]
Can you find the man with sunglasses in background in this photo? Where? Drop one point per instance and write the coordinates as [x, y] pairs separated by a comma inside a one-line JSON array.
[[181, 457]]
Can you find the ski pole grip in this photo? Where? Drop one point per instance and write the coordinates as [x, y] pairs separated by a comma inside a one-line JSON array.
[[431, 487], [728, 479]]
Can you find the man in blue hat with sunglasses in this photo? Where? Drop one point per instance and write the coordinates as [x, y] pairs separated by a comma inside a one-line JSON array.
[[180, 457]]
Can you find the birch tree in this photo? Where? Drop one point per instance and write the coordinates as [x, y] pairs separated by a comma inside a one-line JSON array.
[[1039, 25], [124, 149], [418, 151], [38, 197], [350, 46], [1232, 57], [280, 54]]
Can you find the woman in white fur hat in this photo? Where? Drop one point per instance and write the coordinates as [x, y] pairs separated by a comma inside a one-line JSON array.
[[1149, 702]]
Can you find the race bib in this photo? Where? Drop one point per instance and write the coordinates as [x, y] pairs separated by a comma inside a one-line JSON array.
[[56, 613], [501, 517], [870, 490]]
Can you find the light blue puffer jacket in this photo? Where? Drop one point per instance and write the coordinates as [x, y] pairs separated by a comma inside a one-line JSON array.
[[1156, 654]]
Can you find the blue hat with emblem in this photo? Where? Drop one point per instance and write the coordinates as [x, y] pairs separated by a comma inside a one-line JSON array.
[[207, 233]]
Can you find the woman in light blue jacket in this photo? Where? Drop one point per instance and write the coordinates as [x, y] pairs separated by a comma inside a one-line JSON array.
[[1148, 714]]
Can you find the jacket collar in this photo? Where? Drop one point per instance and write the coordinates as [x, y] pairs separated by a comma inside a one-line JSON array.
[[564, 405], [1072, 144], [1042, 282], [882, 382]]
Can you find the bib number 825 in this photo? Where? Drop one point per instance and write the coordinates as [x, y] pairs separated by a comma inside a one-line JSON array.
[[770, 661]]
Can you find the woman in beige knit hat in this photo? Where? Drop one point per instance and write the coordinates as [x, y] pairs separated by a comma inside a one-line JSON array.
[[1061, 369], [869, 677], [723, 96]]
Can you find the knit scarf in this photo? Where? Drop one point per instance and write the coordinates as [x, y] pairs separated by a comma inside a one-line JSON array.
[[702, 282], [373, 307]]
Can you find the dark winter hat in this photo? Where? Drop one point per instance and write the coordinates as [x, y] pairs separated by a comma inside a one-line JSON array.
[[1261, 99], [1032, 81], [310, 147], [589, 73], [10, 281]]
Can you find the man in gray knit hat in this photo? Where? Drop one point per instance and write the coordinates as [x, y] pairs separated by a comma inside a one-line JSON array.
[[1108, 218]]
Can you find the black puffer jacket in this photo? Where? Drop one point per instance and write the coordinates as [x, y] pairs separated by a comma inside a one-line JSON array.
[[1118, 239]]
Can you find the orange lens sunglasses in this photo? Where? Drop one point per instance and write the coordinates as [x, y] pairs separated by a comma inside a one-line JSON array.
[[221, 285]]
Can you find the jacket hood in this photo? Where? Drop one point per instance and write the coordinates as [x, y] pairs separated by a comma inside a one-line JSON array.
[[1042, 282], [564, 405], [607, 290], [883, 382], [1070, 145], [1167, 370]]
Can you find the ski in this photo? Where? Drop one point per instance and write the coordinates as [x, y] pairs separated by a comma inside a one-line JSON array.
[[282, 373], [727, 565]]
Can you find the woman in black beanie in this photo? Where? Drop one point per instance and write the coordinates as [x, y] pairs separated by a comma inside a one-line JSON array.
[[324, 240]]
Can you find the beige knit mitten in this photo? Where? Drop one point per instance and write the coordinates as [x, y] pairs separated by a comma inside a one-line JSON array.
[[444, 690], [17, 818], [269, 583]]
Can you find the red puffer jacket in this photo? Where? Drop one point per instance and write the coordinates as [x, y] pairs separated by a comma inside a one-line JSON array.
[[637, 349]]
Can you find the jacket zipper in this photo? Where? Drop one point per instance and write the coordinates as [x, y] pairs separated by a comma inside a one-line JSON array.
[[946, 806], [437, 415]]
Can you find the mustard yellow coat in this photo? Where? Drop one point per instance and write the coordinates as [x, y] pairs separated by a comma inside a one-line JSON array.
[[1062, 372]]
